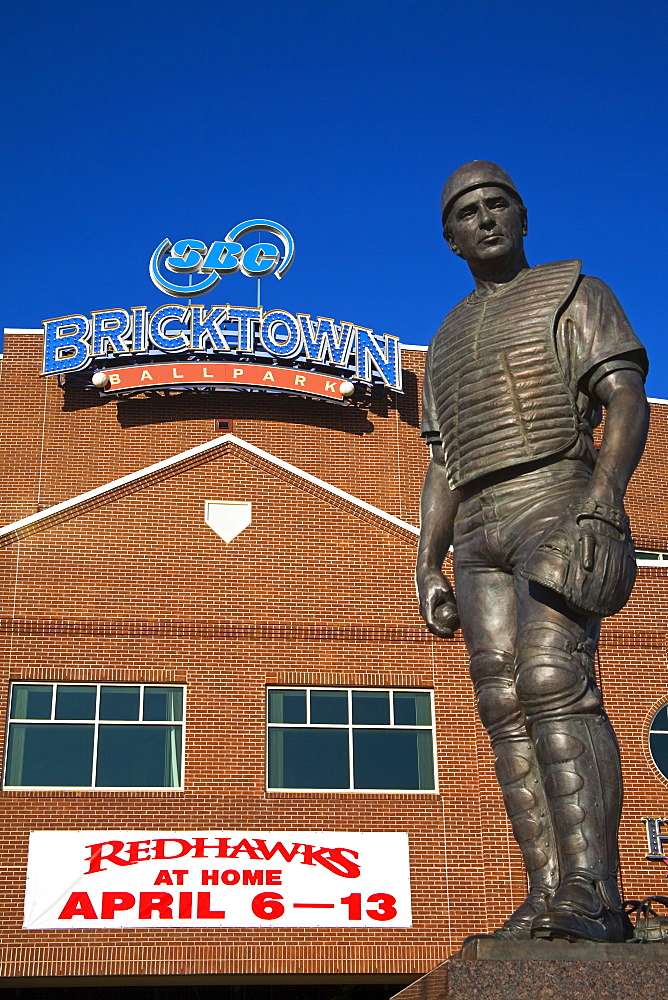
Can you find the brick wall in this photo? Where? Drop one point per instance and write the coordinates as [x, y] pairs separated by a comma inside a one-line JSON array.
[[136, 587]]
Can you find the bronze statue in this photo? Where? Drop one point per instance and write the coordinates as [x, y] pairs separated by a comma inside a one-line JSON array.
[[514, 383]]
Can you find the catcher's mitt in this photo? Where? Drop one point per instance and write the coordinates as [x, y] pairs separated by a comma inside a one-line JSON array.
[[588, 558]]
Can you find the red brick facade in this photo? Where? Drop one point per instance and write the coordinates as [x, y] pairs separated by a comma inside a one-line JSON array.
[[134, 586]]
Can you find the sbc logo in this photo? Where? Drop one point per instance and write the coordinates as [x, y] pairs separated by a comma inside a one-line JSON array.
[[222, 257]]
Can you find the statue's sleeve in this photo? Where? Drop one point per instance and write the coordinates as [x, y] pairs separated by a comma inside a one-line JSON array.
[[602, 339], [429, 427]]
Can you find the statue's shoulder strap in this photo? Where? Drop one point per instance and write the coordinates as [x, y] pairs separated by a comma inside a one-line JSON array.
[[560, 275], [462, 306]]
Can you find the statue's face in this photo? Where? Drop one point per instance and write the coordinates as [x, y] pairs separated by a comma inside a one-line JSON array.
[[486, 224]]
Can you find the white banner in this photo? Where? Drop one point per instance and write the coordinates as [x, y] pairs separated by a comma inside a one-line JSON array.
[[220, 878]]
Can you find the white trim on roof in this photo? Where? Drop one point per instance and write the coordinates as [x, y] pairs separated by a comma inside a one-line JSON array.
[[201, 449]]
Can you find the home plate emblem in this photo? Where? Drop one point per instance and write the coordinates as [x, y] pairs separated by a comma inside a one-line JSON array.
[[227, 518]]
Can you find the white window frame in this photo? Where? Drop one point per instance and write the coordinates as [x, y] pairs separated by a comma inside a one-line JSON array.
[[652, 557], [96, 722], [351, 727]]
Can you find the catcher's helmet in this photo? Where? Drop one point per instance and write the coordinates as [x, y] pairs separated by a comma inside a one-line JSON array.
[[477, 173]]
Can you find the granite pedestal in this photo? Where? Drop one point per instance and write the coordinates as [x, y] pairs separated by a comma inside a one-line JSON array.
[[546, 970]]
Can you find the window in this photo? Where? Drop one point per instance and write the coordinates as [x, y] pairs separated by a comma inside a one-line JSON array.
[[376, 740], [651, 557], [94, 736], [658, 740]]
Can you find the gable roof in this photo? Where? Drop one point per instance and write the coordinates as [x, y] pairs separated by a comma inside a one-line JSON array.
[[228, 443]]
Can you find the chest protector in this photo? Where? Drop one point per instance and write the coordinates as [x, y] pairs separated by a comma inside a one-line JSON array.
[[500, 394]]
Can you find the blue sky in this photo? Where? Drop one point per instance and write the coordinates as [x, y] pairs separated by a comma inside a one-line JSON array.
[[129, 122]]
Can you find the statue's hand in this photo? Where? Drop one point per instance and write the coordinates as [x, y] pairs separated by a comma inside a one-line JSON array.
[[437, 603]]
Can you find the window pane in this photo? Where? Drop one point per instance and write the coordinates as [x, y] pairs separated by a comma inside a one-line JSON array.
[[50, 755], [660, 720], [393, 758], [31, 701], [412, 708], [308, 758], [329, 706], [163, 704], [287, 705], [146, 756], [658, 745], [75, 701], [371, 708], [119, 702]]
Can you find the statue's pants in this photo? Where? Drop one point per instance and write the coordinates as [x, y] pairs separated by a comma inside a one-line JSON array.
[[532, 666]]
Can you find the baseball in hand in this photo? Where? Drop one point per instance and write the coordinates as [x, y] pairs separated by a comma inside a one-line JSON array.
[[446, 617]]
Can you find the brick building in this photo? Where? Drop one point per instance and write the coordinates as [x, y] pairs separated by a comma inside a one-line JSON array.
[[160, 679]]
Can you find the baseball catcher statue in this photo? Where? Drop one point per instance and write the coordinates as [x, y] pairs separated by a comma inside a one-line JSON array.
[[515, 381]]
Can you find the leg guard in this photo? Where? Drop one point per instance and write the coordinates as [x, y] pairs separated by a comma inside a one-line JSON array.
[[524, 797], [555, 670], [579, 758], [493, 676], [492, 672]]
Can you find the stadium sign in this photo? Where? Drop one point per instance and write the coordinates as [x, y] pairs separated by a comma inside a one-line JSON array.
[[222, 257], [187, 346]]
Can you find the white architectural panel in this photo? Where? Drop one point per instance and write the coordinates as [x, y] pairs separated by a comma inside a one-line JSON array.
[[228, 518]]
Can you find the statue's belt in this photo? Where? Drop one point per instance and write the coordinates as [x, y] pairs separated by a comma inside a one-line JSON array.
[[509, 474]]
